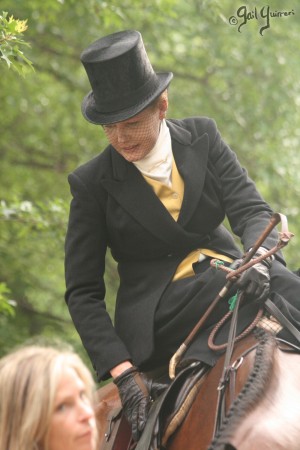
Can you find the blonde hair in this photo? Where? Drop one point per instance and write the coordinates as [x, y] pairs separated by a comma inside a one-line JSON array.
[[28, 382]]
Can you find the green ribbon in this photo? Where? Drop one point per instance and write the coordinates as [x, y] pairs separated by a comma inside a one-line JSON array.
[[218, 263], [232, 301]]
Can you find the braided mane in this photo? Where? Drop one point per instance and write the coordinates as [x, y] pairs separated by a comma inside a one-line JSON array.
[[251, 392]]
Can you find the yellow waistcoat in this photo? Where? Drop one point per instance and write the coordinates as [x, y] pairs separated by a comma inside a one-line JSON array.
[[172, 198]]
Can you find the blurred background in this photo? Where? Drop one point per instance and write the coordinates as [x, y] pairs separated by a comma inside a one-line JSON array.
[[246, 78]]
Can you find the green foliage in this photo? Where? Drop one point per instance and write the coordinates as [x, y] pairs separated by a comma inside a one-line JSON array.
[[11, 32], [6, 307], [36, 217], [247, 82]]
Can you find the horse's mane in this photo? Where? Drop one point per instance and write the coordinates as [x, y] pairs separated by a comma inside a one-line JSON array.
[[251, 392]]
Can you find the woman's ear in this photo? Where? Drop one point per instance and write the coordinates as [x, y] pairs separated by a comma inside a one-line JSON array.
[[163, 105]]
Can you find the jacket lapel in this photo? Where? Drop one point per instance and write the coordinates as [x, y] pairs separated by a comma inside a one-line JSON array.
[[136, 197], [129, 188], [191, 159]]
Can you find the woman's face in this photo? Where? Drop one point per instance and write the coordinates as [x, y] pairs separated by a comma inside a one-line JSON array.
[[134, 138], [73, 425]]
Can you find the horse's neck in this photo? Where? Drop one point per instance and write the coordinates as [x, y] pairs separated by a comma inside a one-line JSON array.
[[275, 422]]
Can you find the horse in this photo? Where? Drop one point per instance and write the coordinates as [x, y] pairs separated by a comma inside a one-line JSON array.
[[262, 404], [264, 412]]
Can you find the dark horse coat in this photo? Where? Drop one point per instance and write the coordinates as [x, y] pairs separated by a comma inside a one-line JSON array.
[[113, 206]]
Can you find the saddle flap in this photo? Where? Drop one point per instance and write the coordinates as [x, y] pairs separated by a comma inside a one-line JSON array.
[[170, 408]]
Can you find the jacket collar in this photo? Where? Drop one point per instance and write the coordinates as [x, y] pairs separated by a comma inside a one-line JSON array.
[[191, 160]]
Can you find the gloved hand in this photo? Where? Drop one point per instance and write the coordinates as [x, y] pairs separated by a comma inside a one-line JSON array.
[[255, 281], [137, 393]]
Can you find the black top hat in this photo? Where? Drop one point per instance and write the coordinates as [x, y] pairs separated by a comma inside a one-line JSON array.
[[121, 76]]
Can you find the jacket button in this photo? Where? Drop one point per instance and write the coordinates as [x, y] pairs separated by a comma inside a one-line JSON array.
[[170, 255]]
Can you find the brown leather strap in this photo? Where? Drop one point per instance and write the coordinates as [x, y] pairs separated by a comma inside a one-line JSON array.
[[118, 433]]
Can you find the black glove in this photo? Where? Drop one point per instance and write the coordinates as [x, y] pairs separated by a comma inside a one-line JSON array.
[[137, 393], [255, 281]]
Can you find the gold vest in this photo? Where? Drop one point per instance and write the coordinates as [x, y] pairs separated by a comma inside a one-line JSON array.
[[172, 198]]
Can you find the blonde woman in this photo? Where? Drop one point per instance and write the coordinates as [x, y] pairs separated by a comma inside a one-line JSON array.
[[46, 401]]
